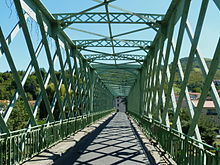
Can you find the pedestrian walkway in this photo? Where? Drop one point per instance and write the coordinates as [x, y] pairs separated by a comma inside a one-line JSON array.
[[115, 143]]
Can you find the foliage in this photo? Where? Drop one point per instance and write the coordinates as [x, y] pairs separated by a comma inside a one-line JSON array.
[[176, 89], [8, 85], [208, 130], [216, 144], [185, 120], [31, 86], [6, 90], [196, 78], [19, 117], [50, 93]]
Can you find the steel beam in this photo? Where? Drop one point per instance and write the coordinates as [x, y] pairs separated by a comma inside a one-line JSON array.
[[16, 78], [67, 19], [116, 43], [92, 57]]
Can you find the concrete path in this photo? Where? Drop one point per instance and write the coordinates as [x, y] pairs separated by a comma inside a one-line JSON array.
[[113, 143]]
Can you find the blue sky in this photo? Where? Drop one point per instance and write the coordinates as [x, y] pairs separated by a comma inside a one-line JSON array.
[[208, 40]]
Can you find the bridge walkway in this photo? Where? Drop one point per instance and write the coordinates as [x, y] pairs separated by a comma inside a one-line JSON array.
[[113, 143]]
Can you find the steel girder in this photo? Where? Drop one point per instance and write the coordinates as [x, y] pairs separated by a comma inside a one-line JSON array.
[[78, 96], [149, 87], [66, 19], [152, 21], [133, 57], [153, 97], [111, 40], [116, 43], [118, 78]]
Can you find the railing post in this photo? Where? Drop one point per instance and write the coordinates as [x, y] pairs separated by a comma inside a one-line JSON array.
[[91, 91], [141, 92], [217, 157]]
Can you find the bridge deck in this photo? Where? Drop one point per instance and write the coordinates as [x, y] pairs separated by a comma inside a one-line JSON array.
[[113, 143]]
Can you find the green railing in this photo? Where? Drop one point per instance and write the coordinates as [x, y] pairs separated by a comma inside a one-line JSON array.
[[22, 145], [182, 148]]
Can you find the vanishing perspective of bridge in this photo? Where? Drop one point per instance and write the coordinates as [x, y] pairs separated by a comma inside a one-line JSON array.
[[90, 74]]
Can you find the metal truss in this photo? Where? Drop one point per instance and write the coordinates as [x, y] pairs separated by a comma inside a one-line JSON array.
[[116, 43], [118, 78], [152, 99], [126, 18], [90, 86], [84, 78], [92, 57], [150, 19]]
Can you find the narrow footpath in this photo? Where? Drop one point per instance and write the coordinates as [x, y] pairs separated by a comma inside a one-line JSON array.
[[114, 143]]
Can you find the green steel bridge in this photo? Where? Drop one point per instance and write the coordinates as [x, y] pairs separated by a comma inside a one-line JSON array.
[[143, 71]]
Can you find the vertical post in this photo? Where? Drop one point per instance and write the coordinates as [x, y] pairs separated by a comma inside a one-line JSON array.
[[141, 92], [91, 91]]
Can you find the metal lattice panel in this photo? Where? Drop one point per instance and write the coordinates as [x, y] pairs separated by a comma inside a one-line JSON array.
[[137, 18], [157, 76], [146, 71], [75, 72], [116, 43]]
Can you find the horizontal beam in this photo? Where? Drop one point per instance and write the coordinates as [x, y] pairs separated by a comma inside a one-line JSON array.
[[130, 83], [126, 18], [119, 78], [93, 57], [116, 43], [118, 66]]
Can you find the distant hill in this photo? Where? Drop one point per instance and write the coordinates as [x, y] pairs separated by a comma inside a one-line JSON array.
[[196, 69], [196, 76], [195, 62]]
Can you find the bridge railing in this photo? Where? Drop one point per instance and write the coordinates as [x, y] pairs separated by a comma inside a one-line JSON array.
[[69, 92], [22, 145], [66, 88], [175, 60], [182, 148]]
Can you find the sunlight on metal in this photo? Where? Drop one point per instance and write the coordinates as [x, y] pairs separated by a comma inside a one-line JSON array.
[[89, 73]]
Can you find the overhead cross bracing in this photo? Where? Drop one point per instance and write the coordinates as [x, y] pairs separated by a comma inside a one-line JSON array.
[[122, 56], [121, 53], [118, 78], [127, 18], [130, 53]]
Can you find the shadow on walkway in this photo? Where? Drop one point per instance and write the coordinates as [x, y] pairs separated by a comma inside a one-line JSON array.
[[113, 142]]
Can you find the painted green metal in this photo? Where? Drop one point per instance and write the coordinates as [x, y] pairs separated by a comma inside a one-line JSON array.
[[183, 149], [176, 56], [118, 78], [77, 66], [92, 81], [32, 54], [116, 43], [47, 49], [160, 67], [15, 150], [67, 19], [206, 87], [204, 6], [132, 57]]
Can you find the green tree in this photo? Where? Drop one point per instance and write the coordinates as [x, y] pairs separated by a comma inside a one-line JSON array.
[[207, 130], [1, 79], [50, 92], [31, 86], [19, 117], [43, 72], [185, 120]]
